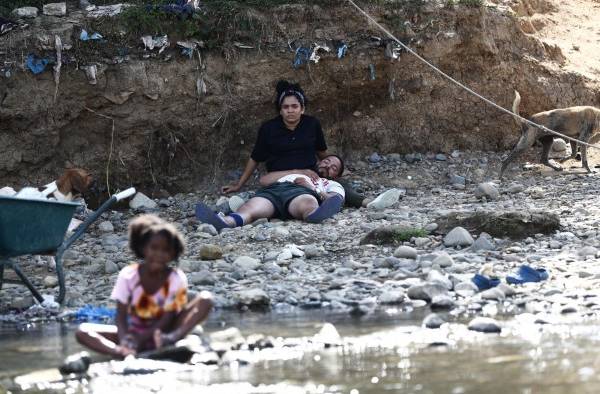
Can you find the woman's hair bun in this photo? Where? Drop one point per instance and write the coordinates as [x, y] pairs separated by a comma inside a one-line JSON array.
[[282, 86]]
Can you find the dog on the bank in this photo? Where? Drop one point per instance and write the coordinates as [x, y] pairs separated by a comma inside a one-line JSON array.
[[73, 184], [580, 122]]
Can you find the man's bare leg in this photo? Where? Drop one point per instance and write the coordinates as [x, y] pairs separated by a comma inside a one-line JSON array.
[[302, 206], [254, 209]]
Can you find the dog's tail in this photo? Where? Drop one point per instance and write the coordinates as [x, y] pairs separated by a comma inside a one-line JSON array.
[[515, 106]]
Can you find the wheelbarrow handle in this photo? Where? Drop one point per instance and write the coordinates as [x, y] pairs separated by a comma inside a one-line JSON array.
[[125, 194]]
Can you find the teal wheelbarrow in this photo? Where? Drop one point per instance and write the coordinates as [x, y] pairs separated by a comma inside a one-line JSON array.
[[34, 227]]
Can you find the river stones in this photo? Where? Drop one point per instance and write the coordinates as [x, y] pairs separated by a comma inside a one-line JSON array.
[[487, 190], [252, 298], [405, 252], [426, 292], [458, 237], [210, 252], [484, 324], [433, 320]]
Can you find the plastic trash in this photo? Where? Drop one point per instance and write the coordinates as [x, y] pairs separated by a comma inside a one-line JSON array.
[[94, 314], [36, 65], [302, 55], [90, 73], [483, 282], [7, 191], [6, 25], [151, 43], [372, 71], [84, 36], [314, 56], [106, 10], [527, 274], [342, 49]]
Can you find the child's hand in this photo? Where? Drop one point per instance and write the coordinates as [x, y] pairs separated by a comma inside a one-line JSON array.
[[129, 342]]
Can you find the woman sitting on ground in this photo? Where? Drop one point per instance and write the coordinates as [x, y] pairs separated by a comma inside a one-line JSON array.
[[290, 141], [152, 306]]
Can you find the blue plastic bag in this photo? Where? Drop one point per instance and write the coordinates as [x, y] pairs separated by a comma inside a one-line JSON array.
[[36, 65], [95, 314]]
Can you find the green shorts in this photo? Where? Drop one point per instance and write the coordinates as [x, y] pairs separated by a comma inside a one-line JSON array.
[[280, 194]]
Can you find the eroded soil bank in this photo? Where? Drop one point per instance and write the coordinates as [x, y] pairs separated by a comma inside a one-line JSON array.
[[170, 135]]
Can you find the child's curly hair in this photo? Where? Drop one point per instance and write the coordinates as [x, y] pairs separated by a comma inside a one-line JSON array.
[[144, 227]]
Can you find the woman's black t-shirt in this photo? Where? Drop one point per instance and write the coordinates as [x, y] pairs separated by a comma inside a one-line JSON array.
[[282, 149]]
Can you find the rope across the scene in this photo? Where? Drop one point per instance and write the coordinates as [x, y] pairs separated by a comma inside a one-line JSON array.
[[463, 86]]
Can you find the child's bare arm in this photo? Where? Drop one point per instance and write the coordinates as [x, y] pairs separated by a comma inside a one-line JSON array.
[[121, 320]]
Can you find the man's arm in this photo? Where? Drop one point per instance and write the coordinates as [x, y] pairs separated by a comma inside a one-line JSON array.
[[272, 177]]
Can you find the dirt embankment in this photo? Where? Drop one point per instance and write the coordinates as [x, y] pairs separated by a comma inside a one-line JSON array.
[[169, 134]]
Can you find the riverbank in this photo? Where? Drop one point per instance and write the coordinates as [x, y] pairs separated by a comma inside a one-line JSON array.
[[286, 265]]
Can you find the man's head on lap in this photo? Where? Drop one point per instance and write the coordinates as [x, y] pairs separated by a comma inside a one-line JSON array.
[[331, 167]]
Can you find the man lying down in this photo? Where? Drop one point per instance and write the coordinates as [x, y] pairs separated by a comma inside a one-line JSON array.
[[293, 194]]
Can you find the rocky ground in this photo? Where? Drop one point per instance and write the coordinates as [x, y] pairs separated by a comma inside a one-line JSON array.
[[291, 265]]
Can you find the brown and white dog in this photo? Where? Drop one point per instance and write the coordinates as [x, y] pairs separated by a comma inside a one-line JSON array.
[[72, 184], [580, 122]]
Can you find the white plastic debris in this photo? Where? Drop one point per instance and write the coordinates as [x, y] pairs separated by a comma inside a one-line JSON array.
[[30, 193], [55, 9], [314, 57], [106, 10], [151, 43], [90, 73], [26, 12]]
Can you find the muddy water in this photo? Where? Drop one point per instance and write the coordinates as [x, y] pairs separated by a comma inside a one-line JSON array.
[[382, 353]]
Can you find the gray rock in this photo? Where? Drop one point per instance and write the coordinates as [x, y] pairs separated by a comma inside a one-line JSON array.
[[506, 289], [515, 188], [442, 301], [458, 237], [22, 302], [433, 321], [50, 281], [55, 9], [312, 251], [208, 229], [443, 260], [141, 201], [441, 157], [235, 202], [26, 12], [203, 278], [493, 294], [484, 324], [465, 289], [405, 252], [210, 252], [421, 241], [482, 244], [110, 267], [587, 251], [252, 298], [559, 145], [395, 296], [374, 158], [457, 180], [106, 227], [245, 263], [487, 190], [426, 292], [435, 276]]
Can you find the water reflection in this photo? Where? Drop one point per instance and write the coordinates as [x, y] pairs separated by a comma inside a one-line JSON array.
[[383, 353]]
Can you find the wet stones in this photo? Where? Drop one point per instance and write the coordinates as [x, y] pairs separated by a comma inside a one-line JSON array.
[[106, 227], [433, 321], [485, 325], [252, 299], [458, 237], [426, 292], [391, 297], [390, 235], [50, 281], [26, 12], [203, 277]]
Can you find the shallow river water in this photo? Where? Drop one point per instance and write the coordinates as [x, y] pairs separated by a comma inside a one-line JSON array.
[[387, 352]]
